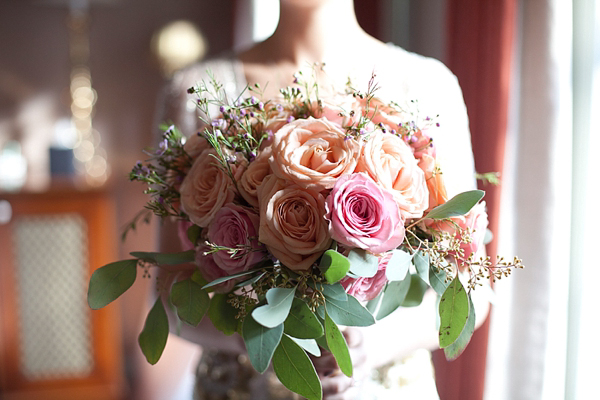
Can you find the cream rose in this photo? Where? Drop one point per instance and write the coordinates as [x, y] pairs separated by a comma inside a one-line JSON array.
[[292, 223], [206, 188], [390, 162], [313, 153]]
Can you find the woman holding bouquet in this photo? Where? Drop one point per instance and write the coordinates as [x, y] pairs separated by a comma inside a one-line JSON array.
[[326, 32]]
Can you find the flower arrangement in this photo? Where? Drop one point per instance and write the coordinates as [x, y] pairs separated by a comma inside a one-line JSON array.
[[302, 214]]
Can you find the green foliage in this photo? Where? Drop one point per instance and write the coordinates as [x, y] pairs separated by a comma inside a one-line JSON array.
[[437, 280], [393, 296], [362, 263], [416, 291], [455, 349], [456, 206], [335, 292], [260, 342], [275, 312], [334, 266], [454, 312], [153, 338], [295, 370], [190, 300], [302, 323], [193, 233], [227, 278], [222, 314], [421, 261], [166, 258], [110, 281], [309, 345], [338, 346], [348, 313]]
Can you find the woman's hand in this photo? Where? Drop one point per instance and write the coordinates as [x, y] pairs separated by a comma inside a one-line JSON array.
[[336, 385]]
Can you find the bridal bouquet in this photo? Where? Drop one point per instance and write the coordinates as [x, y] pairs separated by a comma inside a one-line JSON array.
[[302, 214]]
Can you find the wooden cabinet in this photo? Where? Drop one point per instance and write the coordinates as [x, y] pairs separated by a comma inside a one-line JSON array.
[[52, 346]]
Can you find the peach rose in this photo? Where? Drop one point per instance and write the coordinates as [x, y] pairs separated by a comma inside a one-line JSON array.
[[340, 110], [206, 188], [390, 162], [195, 145], [422, 144], [313, 153], [292, 223], [435, 181], [253, 176]]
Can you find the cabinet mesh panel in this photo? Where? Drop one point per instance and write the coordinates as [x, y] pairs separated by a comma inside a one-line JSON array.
[[51, 272]]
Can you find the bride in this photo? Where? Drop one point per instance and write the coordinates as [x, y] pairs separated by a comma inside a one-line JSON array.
[[327, 32]]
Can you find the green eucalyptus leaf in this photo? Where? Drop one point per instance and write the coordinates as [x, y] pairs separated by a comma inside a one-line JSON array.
[[454, 312], [373, 305], [251, 281], [322, 341], [398, 265], [456, 206], [275, 312], [421, 261], [295, 370], [338, 346], [222, 314], [455, 349], [415, 294], [261, 342], [437, 280], [349, 312], [110, 281], [334, 266], [190, 300], [227, 278], [153, 338], [335, 291], [198, 278], [166, 258], [393, 296], [302, 323], [362, 263], [309, 345]]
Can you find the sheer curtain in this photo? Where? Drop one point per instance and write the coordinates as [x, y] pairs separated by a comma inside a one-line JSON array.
[[541, 343]]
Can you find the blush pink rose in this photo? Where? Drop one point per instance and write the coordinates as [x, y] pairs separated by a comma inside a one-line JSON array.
[[236, 227], [313, 153], [422, 144], [292, 223], [253, 176], [340, 110], [206, 188], [390, 162], [365, 289], [362, 214]]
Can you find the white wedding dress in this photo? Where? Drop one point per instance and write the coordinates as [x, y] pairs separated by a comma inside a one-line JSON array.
[[402, 76]]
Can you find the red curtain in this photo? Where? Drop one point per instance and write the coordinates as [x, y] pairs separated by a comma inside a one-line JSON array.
[[480, 48]]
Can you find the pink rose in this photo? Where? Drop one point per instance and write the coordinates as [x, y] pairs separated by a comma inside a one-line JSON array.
[[364, 215], [206, 188], [292, 223], [253, 177], [313, 153], [365, 289], [235, 227], [211, 271], [390, 162]]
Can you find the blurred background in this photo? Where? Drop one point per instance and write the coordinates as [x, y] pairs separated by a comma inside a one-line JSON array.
[[79, 85]]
